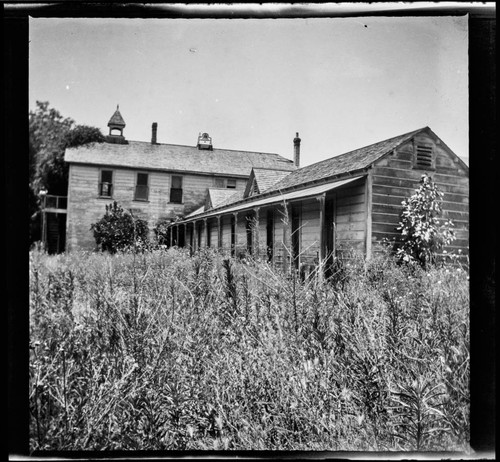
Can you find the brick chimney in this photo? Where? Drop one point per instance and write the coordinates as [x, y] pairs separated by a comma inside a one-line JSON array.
[[296, 150], [154, 129]]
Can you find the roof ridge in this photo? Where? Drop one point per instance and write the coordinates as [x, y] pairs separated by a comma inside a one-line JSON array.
[[364, 147], [214, 149]]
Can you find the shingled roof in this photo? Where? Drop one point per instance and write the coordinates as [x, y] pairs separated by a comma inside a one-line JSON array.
[[267, 178], [218, 197], [325, 171], [349, 162], [176, 158], [116, 119]]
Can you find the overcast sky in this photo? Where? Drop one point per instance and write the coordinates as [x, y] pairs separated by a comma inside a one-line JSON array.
[[342, 83]]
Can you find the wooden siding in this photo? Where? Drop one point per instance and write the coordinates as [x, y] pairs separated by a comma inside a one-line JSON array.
[[86, 207], [350, 218], [395, 178], [310, 232]]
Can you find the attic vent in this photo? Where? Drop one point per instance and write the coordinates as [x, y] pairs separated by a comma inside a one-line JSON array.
[[255, 189], [423, 156]]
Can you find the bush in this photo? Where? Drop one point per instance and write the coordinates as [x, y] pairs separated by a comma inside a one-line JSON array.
[[423, 234], [162, 231], [119, 230]]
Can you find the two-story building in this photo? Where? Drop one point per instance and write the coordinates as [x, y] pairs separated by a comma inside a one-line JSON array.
[[156, 181]]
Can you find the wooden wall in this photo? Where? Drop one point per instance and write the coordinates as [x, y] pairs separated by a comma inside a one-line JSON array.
[[350, 218], [395, 178], [86, 207]]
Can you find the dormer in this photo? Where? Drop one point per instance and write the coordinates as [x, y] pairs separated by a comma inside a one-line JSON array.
[[204, 142], [116, 125]]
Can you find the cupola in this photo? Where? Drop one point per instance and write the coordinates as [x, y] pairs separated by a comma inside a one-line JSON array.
[[116, 125], [204, 141]]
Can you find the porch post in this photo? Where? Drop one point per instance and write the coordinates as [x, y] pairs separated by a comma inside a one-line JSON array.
[[368, 211], [195, 235], [235, 215], [185, 234], [322, 243], [219, 233], [205, 224], [286, 238], [256, 231]]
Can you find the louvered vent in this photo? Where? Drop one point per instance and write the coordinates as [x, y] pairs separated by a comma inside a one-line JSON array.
[[424, 156], [255, 189]]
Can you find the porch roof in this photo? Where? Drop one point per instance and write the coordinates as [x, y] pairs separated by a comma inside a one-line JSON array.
[[289, 196]]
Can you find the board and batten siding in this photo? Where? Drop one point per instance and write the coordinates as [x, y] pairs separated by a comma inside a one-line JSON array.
[[86, 207], [395, 178]]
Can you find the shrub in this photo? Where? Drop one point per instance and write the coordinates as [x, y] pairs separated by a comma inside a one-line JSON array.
[[162, 231], [423, 234], [118, 229]]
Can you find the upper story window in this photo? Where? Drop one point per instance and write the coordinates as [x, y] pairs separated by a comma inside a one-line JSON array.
[[424, 156], [219, 183], [142, 187], [106, 183], [176, 190], [225, 183]]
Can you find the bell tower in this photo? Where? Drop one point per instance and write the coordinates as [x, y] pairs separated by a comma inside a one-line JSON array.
[[116, 125]]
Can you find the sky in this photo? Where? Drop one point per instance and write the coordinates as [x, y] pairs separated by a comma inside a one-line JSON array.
[[341, 83]]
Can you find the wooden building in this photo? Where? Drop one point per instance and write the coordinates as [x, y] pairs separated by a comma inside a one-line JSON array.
[[156, 181], [347, 203]]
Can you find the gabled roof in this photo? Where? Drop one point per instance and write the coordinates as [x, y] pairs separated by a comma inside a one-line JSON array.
[[261, 179], [217, 197], [358, 159], [116, 119], [331, 171], [176, 158]]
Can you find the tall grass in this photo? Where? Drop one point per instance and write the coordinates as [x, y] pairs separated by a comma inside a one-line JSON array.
[[160, 350]]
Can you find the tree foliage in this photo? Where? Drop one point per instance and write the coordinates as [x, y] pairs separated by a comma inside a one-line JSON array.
[[423, 233], [50, 134], [119, 230], [83, 134]]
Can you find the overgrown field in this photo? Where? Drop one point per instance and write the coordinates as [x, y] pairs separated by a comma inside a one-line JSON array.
[[161, 350]]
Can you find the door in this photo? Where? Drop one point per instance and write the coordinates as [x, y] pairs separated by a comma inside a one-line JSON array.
[[296, 236], [270, 235]]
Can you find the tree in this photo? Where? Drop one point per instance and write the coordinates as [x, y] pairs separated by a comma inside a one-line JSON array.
[[119, 230], [47, 132], [423, 233], [49, 135]]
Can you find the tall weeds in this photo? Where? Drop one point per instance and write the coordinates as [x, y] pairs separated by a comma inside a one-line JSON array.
[[167, 351]]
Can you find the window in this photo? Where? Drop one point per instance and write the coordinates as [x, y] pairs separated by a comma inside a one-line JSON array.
[[219, 183], [106, 183], [141, 188], [176, 190], [231, 184], [423, 156]]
